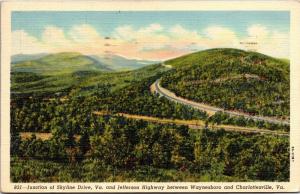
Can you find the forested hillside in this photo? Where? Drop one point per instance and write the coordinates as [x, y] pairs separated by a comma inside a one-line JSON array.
[[117, 149], [232, 79], [80, 82], [83, 146], [60, 63]]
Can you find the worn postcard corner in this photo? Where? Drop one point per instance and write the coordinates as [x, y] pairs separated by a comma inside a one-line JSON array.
[[150, 96]]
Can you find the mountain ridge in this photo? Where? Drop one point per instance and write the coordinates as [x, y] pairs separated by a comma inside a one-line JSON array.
[[59, 63], [220, 77], [102, 63]]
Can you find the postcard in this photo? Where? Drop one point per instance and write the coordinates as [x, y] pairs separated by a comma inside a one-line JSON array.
[[150, 96]]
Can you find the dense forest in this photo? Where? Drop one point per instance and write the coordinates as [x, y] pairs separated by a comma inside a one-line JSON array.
[[234, 80], [118, 149], [224, 118], [122, 149], [43, 115]]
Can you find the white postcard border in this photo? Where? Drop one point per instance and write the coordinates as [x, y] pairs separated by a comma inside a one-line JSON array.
[[292, 6]]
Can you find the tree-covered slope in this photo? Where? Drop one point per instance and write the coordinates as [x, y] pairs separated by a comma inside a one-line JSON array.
[[60, 63], [88, 147], [79, 82], [232, 79]]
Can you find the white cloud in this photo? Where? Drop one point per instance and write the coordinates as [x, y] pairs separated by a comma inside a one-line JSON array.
[[23, 43], [152, 28], [220, 33], [258, 30], [151, 33], [124, 33], [84, 34], [269, 42], [180, 32], [54, 37], [150, 42], [220, 37], [279, 45]]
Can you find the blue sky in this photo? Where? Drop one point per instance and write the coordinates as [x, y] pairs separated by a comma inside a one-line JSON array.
[[35, 22], [34, 25]]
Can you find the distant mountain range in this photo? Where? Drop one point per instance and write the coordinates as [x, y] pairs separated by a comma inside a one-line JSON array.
[[71, 61], [117, 62], [22, 57]]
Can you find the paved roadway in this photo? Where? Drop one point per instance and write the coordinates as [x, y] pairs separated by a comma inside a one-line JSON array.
[[171, 96], [195, 124]]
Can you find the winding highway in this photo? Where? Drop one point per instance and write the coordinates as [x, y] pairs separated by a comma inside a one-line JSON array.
[[156, 88]]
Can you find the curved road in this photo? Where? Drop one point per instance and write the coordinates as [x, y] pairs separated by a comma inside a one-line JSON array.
[[155, 87]]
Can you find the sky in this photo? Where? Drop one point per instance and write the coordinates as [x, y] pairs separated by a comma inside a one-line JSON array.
[[149, 35]]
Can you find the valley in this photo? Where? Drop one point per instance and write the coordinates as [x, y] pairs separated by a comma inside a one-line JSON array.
[[199, 117]]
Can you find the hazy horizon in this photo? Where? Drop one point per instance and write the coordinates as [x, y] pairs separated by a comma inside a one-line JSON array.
[[149, 35]]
